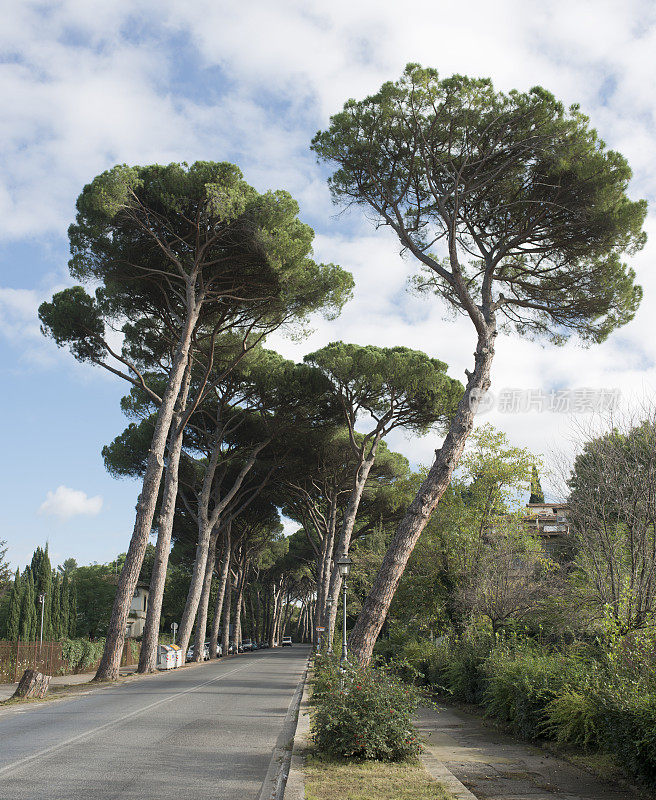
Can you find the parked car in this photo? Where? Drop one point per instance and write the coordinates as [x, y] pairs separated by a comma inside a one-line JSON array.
[[247, 645], [206, 652], [286, 641]]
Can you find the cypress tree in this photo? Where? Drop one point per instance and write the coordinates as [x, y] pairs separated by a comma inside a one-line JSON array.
[[72, 610], [537, 495], [15, 599], [43, 585], [35, 564], [63, 614], [28, 624], [55, 631]]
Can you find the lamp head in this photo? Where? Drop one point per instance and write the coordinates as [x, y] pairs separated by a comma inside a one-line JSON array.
[[344, 565]]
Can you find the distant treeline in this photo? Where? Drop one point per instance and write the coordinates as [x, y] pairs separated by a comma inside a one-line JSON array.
[[21, 617]]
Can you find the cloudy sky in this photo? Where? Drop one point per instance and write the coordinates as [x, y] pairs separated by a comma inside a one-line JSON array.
[[85, 85]]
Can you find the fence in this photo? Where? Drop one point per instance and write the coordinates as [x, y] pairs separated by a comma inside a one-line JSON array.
[[48, 657]]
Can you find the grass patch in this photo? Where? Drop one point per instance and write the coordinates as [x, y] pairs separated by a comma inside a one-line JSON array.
[[328, 779]]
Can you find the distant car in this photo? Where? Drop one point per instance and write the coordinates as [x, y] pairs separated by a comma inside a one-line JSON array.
[[247, 645], [286, 641]]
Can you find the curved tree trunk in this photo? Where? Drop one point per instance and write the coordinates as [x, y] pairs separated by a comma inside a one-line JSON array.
[[203, 605], [111, 658], [375, 608], [220, 595], [150, 638]]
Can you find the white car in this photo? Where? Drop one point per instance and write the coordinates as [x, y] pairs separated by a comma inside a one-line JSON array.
[[286, 641]]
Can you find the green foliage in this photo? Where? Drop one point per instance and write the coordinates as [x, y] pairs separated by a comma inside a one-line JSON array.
[[28, 617], [537, 495], [81, 654], [397, 386], [369, 717], [95, 589], [600, 696], [15, 603]]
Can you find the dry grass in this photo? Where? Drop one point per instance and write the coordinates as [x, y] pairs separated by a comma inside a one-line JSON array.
[[370, 780]]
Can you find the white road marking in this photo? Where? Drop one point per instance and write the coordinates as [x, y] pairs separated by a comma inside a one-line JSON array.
[[60, 745]]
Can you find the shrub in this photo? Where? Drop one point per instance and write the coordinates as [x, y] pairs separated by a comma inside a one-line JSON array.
[[81, 654], [366, 718]]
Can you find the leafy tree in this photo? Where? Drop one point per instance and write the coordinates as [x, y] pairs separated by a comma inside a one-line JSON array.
[[68, 567], [72, 610], [537, 495], [519, 217], [64, 617], [178, 250], [612, 507], [487, 490], [55, 630], [95, 588]]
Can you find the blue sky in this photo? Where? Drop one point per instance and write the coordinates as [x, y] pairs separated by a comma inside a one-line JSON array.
[[85, 85]]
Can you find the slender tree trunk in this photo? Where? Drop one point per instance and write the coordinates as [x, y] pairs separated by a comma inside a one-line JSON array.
[[220, 595], [150, 638], [375, 608], [239, 600], [273, 614], [111, 658], [206, 523], [344, 541], [225, 615], [203, 605]]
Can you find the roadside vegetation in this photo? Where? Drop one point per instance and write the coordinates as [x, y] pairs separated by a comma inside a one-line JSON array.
[[517, 217]]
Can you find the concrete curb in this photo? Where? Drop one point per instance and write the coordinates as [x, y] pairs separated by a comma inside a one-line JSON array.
[[436, 769], [295, 786]]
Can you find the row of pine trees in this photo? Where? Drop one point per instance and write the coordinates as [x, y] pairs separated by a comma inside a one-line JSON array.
[[59, 605]]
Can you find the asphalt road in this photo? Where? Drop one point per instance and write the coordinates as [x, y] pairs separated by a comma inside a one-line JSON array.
[[204, 732]]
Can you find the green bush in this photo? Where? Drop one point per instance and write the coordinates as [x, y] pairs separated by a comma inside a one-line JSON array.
[[81, 654], [368, 717]]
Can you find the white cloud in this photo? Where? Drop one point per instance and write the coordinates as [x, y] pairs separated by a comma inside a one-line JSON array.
[[66, 503], [82, 94]]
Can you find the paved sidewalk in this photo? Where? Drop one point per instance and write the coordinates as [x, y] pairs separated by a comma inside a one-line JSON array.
[[8, 689], [494, 766]]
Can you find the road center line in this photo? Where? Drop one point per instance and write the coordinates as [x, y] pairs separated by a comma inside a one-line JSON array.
[[80, 736]]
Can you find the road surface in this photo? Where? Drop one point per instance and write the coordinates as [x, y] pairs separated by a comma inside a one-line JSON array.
[[204, 732]]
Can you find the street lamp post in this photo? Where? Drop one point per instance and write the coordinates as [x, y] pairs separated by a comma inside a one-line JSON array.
[[42, 601], [329, 609], [344, 566]]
